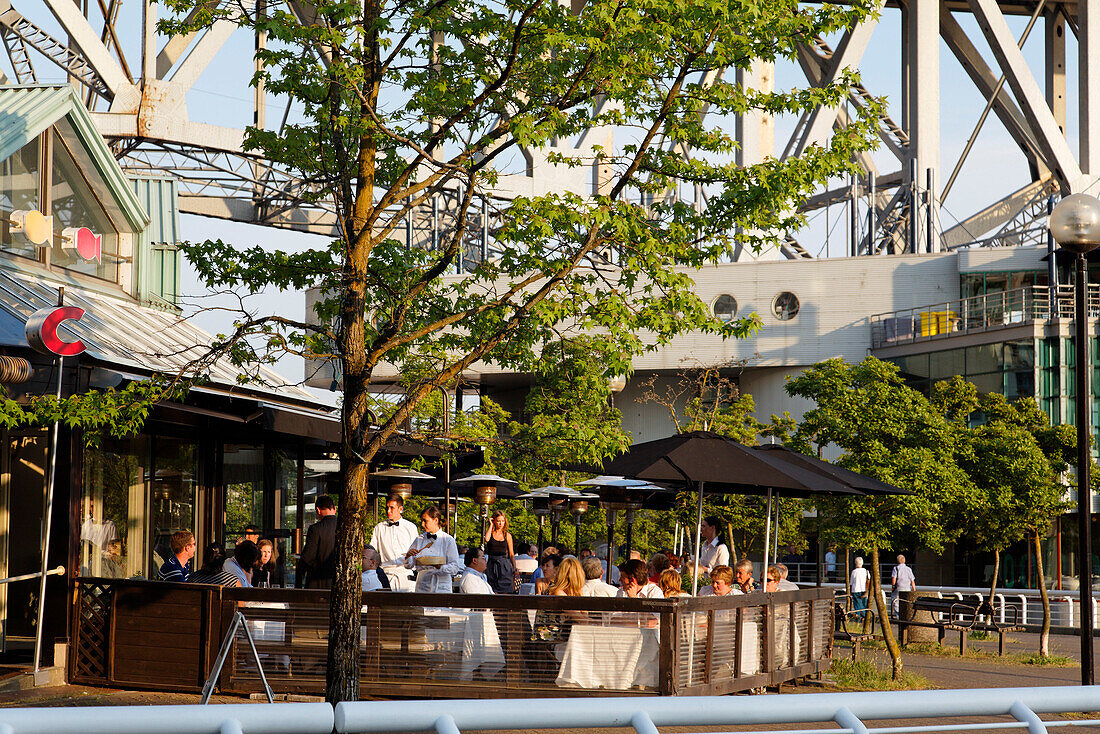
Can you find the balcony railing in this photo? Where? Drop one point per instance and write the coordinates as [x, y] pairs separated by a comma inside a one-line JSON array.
[[977, 314]]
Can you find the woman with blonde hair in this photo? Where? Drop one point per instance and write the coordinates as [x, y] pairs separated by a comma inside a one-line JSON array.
[[670, 583], [569, 579], [499, 548]]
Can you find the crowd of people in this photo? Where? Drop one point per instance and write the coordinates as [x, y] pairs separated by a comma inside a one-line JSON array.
[[399, 558]]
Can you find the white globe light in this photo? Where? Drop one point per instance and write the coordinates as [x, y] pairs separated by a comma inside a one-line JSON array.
[[617, 383], [1075, 223]]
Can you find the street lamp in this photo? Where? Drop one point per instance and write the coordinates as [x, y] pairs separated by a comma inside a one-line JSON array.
[[1075, 225]]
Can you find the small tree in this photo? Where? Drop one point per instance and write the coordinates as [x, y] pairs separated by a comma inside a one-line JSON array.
[[1016, 459], [893, 433], [707, 398]]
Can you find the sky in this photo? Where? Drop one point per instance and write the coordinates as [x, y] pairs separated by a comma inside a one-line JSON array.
[[995, 167]]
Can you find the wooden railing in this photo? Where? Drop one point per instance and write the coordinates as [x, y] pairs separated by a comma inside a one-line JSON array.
[[454, 645]]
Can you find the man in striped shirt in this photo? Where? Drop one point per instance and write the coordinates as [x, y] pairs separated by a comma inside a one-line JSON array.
[[183, 550]]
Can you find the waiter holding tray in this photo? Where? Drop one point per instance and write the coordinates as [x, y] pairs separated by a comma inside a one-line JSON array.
[[392, 538], [434, 553]]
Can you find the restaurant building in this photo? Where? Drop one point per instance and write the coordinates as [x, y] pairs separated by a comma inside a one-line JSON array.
[[226, 456]]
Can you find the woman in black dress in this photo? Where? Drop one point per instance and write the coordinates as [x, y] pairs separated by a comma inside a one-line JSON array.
[[502, 574]]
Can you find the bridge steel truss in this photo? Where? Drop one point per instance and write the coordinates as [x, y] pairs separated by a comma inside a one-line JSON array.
[[141, 107]]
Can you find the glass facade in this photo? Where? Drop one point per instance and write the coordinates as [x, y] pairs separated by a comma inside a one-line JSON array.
[[138, 491], [1007, 368], [68, 194], [113, 508]]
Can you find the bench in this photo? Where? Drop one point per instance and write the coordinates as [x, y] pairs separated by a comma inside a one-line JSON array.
[[857, 633], [962, 616]]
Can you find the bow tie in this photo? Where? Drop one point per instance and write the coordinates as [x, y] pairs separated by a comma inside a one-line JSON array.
[[429, 536], [393, 523]]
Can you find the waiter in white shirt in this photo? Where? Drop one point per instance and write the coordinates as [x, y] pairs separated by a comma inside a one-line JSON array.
[[392, 538], [713, 552], [433, 542], [473, 579]]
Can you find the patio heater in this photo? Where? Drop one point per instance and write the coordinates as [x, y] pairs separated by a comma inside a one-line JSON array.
[[563, 500], [485, 491], [398, 481], [1075, 225], [616, 493], [540, 508]]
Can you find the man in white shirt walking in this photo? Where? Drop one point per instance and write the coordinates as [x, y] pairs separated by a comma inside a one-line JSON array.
[[859, 582], [473, 579], [902, 579], [392, 538]]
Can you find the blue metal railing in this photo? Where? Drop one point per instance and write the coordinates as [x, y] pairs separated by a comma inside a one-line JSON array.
[[849, 711], [949, 710]]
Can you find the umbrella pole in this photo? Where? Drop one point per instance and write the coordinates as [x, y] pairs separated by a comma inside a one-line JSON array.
[[610, 543], [767, 541], [775, 555], [698, 536]]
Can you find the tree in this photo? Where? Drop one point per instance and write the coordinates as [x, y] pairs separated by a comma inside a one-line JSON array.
[[707, 398], [893, 433], [1015, 459], [409, 103]]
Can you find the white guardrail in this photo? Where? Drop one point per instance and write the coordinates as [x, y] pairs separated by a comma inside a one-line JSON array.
[[233, 718], [949, 710], [644, 715]]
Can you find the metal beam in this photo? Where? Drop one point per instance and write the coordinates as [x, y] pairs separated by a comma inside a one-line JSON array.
[[1088, 84], [996, 214], [984, 79], [84, 36], [847, 56], [1027, 92]]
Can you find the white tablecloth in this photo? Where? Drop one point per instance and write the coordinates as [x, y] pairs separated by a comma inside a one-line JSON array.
[[609, 657], [472, 632]]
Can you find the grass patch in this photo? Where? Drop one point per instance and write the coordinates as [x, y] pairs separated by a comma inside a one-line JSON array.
[[944, 651], [979, 635], [1053, 661], [866, 676]]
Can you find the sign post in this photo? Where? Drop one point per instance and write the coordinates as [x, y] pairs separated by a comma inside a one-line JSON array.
[[42, 335]]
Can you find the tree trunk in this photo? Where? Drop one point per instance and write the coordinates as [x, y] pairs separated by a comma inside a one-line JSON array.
[[884, 617], [347, 590], [1044, 633], [733, 545], [993, 584]]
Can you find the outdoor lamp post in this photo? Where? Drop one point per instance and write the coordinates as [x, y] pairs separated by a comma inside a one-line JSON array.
[[485, 492], [578, 506], [1075, 225]]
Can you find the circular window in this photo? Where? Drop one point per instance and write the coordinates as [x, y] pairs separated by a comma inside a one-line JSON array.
[[725, 308], [785, 306]]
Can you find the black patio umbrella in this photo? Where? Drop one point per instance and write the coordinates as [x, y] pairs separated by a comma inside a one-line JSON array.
[[705, 460], [855, 480]]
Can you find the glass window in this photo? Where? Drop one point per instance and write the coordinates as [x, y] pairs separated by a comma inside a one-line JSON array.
[[948, 363], [912, 367], [112, 537], [19, 190], [1019, 354], [725, 308], [173, 492], [785, 307], [984, 358], [243, 479], [75, 205]]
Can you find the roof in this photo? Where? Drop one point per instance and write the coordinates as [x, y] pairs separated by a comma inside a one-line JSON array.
[[124, 334], [27, 111]]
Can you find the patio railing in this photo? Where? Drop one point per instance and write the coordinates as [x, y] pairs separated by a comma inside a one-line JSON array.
[[455, 646], [977, 314]]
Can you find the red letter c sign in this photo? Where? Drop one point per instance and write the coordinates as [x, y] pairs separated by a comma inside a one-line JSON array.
[[42, 331]]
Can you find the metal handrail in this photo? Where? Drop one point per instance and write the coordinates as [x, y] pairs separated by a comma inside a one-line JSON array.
[[232, 718], [978, 313], [644, 715], [59, 571]]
